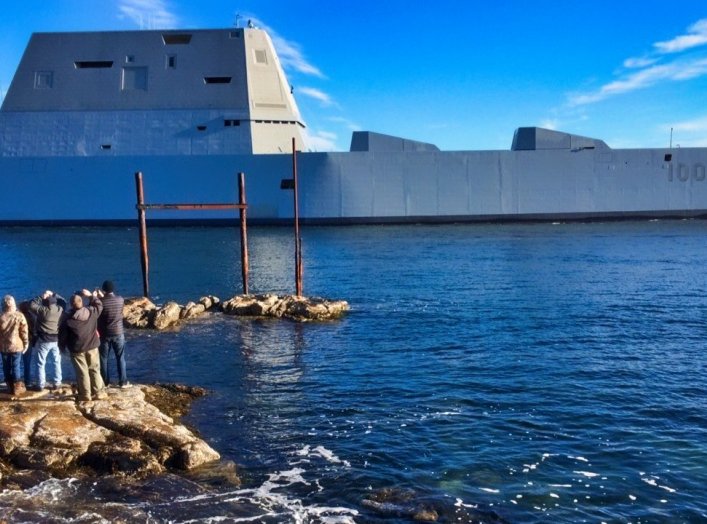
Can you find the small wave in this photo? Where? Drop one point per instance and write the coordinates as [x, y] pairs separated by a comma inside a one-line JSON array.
[[322, 452], [587, 474]]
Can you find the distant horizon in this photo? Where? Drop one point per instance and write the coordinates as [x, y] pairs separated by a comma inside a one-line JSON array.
[[460, 76]]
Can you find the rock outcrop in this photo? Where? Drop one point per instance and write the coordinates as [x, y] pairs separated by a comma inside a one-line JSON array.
[[123, 435], [141, 313], [301, 309]]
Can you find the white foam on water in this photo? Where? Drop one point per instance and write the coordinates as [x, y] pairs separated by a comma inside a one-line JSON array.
[[581, 459], [651, 482], [632, 497], [490, 490], [587, 474], [560, 485], [554, 495], [459, 503]]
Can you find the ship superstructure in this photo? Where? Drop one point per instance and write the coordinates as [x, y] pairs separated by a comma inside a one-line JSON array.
[[191, 108]]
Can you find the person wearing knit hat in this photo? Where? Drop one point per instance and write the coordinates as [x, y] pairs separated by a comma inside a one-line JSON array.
[[110, 326]]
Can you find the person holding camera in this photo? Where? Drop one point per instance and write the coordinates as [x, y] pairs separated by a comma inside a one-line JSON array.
[[48, 309], [78, 333]]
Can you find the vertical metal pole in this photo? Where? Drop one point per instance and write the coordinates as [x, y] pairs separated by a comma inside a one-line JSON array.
[[298, 241], [144, 261], [244, 232]]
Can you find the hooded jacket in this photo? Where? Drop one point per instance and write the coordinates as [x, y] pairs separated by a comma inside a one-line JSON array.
[[14, 334], [77, 331]]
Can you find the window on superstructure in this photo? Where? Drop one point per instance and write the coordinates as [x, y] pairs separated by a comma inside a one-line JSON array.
[[129, 59], [261, 56], [43, 79], [93, 64], [134, 79], [234, 34], [229, 122], [170, 62], [176, 38], [217, 79]]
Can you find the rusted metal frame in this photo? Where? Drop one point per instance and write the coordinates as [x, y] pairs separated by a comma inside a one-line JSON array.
[[243, 207], [202, 207], [298, 239], [142, 222]]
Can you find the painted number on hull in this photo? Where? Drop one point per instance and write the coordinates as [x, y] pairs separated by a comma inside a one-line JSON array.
[[683, 172]]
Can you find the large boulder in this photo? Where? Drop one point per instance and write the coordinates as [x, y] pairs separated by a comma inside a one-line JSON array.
[[123, 434], [138, 312], [167, 316]]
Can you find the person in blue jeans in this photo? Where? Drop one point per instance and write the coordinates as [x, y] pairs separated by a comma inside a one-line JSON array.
[[14, 340], [110, 327], [48, 310]]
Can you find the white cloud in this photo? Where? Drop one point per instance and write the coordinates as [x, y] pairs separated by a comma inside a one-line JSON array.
[[638, 63], [150, 14], [351, 126], [317, 94], [550, 123], [676, 71], [696, 36], [289, 52], [696, 125], [321, 140], [642, 72]]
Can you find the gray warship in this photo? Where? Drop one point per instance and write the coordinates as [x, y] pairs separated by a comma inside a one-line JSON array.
[[191, 108]]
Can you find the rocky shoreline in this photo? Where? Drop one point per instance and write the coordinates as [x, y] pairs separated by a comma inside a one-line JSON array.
[[141, 313], [45, 434]]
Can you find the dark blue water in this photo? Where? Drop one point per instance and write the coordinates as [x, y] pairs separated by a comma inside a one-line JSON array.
[[537, 373]]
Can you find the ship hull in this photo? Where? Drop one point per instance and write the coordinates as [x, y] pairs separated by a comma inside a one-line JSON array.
[[364, 187]]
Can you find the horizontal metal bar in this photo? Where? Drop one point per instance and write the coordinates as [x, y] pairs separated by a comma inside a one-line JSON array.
[[204, 207]]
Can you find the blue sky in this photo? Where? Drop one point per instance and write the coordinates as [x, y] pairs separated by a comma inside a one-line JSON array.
[[459, 74]]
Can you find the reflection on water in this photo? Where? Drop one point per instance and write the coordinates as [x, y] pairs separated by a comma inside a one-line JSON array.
[[530, 373]]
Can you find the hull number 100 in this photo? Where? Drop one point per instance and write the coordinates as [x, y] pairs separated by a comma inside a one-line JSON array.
[[683, 172]]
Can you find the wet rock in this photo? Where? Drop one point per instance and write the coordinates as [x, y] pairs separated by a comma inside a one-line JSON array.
[[301, 309], [166, 316], [122, 456], [173, 399], [394, 502], [123, 434], [209, 301], [149, 425], [138, 312], [191, 310]]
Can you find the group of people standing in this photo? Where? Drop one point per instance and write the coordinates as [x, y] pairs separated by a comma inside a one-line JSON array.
[[34, 334]]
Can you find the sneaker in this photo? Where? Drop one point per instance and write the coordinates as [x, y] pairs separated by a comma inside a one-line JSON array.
[[125, 385]]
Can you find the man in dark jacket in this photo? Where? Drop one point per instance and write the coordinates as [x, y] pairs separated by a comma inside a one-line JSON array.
[[110, 327], [78, 334], [48, 310]]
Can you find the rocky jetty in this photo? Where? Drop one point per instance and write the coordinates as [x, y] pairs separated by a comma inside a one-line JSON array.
[[124, 435], [141, 313], [300, 309]]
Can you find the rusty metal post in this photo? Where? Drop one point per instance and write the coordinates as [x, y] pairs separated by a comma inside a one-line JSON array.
[[244, 232], [144, 260], [298, 240]]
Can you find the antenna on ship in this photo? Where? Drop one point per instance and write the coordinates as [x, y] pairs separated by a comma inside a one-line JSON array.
[[238, 17], [671, 138]]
